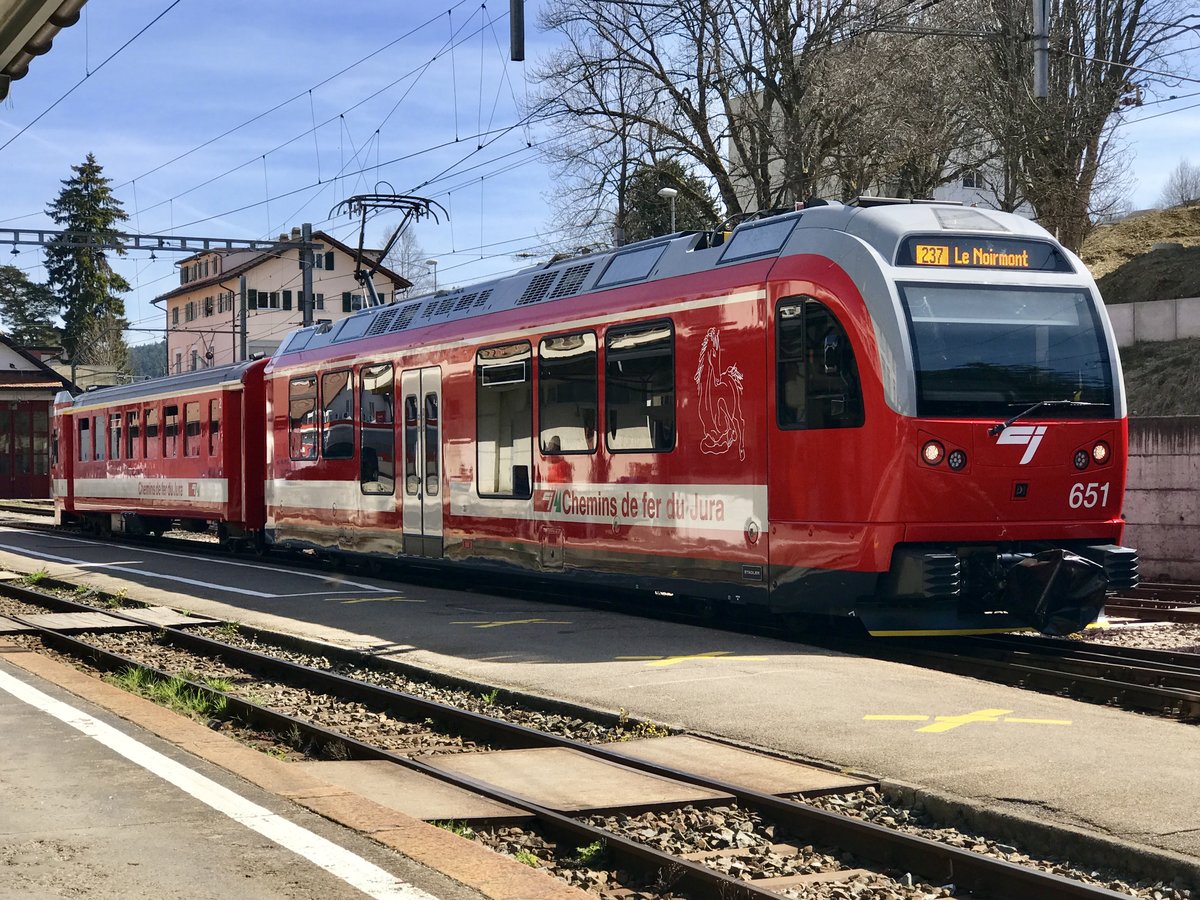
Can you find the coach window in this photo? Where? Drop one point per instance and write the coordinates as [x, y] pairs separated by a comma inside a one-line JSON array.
[[337, 415], [191, 429], [131, 435], [817, 382], [85, 439], [504, 420], [302, 417], [433, 422], [214, 425], [378, 465], [567, 392], [153, 446], [114, 436], [170, 431], [639, 387], [101, 441]]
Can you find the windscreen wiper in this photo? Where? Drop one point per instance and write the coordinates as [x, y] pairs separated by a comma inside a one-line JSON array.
[[1000, 426]]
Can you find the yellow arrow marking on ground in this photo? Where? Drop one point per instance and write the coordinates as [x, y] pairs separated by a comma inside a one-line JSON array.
[[513, 622], [942, 724], [661, 661]]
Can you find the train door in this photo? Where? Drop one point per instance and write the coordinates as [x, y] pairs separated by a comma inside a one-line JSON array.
[[422, 503]]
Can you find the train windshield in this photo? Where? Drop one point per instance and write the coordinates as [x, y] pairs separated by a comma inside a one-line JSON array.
[[990, 351]]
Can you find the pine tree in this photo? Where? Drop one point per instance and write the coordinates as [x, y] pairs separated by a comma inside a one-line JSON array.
[[650, 215], [81, 277], [28, 309]]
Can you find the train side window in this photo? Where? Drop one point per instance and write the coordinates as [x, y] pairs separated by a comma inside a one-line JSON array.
[[191, 429], [153, 446], [817, 384], [433, 477], [337, 415], [412, 419], [377, 467], [170, 431], [54, 447], [504, 420], [302, 417], [214, 426], [567, 394], [132, 433], [114, 436], [85, 439], [101, 441], [639, 388]]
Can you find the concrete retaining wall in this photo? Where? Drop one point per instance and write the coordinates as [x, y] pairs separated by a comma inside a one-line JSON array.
[[1162, 499], [1155, 320]]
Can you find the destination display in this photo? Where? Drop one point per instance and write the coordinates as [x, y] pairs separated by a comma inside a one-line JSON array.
[[969, 252]]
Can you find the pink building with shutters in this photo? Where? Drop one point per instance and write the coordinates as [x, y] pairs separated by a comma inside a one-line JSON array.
[[204, 313]]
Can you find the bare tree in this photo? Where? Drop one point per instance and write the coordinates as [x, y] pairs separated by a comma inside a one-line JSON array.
[[1056, 146], [407, 259], [1183, 185]]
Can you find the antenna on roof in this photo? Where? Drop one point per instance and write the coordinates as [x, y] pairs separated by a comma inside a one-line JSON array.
[[366, 206]]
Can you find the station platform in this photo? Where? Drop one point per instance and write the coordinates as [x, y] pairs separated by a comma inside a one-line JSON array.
[[1021, 761]]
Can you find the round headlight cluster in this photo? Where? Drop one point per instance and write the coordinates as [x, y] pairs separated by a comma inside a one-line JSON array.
[[933, 453], [1099, 454], [957, 460]]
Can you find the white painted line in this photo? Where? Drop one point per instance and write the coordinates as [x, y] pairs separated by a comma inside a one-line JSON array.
[[345, 586], [338, 861]]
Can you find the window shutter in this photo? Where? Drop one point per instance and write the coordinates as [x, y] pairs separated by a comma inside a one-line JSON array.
[[287, 299], [252, 299], [346, 302], [329, 261]]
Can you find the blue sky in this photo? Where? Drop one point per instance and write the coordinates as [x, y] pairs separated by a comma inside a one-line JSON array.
[[204, 69]]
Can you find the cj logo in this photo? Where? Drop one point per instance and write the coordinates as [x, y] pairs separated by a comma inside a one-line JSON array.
[[1029, 435]]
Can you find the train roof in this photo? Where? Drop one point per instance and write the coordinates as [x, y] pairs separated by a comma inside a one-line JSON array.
[[185, 382], [882, 223]]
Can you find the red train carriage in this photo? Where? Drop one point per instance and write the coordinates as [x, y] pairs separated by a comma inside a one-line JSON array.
[[189, 447], [908, 413]]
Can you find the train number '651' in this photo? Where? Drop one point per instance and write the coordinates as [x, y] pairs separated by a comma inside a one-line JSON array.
[[1088, 495]]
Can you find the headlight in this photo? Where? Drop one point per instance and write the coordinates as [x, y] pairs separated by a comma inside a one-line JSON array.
[[1100, 452], [933, 453]]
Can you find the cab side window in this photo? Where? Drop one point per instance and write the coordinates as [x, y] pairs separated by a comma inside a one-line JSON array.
[[817, 384], [302, 417]]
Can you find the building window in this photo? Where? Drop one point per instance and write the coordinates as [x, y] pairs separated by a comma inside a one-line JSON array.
[[639, 387], [504, 420], [178, 362], [174, 315], [208, 306], [319, 303], [972, 178], [189, 313], [337, 415], [195, 359]]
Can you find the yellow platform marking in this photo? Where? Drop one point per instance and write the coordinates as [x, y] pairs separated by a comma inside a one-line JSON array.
[[395, 598], [663, 661], [498, 624], [942, 724]]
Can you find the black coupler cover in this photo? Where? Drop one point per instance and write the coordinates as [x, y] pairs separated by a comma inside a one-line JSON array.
[[1057, 591]]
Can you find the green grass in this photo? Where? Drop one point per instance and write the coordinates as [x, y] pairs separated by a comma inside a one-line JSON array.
[[527, 858], [462, 829], [592, 856], [489, 699], [36, 578], [174, 692], [228, 629]]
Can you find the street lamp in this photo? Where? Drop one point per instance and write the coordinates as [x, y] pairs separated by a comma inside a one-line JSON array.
[[670, 194], [432, 263]]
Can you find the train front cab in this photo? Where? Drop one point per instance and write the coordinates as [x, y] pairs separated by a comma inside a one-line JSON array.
[[971, 439]]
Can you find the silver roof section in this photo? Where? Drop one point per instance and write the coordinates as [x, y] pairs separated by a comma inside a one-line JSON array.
[[881, 225], [169, 385]]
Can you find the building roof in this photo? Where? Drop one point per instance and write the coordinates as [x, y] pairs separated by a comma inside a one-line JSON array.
[[398, 281], [27, 29], [39, 375]]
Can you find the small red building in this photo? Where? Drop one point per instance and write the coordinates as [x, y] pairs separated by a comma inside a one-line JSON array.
[[27, 389]]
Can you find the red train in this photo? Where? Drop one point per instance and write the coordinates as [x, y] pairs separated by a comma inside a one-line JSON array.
[[909, 413]]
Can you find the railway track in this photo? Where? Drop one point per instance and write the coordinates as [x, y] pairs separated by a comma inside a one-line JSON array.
[[1158, 602], [259, 665]]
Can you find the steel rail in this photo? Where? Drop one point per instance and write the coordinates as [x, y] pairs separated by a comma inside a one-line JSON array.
[[936, 862]]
